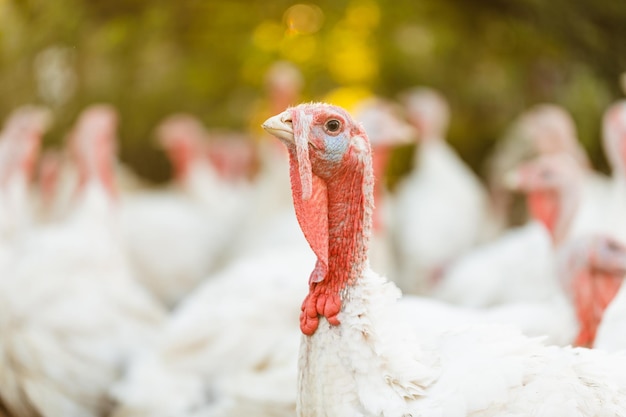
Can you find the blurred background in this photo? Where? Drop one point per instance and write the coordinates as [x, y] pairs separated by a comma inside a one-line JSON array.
[[149, 58]]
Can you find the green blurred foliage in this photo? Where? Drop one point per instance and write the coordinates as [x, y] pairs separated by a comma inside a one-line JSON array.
[[492, 58]]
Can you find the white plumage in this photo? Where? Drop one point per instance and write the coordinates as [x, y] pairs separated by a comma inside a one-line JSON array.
[[373, 365], [19, 144], [71, 313], [519, 266], [232, 344], [429, 230]]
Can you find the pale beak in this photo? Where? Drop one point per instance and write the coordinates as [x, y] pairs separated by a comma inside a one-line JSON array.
[[613, 255], [512, 180], [280, 126], [406, 134]]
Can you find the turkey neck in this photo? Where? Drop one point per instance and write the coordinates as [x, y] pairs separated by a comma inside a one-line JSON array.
[[350, 206], [594, 290], [555, 209]]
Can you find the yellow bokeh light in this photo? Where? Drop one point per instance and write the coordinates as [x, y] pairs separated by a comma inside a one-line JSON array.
[[351, 60], [303, 18], [348, 97], [363, 14], [299, 48], [267, 36], [415, 40]]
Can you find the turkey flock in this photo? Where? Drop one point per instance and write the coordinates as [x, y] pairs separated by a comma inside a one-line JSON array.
[[279, 276]]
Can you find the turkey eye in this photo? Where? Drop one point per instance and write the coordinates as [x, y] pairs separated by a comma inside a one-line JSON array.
[[546, 175], [333, 125]]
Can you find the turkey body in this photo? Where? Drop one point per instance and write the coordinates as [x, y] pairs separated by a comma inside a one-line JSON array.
[[177, 237], [517, 267], [218, 354], [428, 231]]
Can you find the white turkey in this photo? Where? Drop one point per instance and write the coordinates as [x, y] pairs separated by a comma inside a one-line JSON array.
[[176, 237], [71, 314], [358, 356], [428, 230], [272, 223], [543, 129], [20, 141], [207, 345]]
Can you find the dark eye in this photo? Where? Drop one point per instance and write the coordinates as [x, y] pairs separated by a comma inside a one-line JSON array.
[[333, 125], [612, 246], [546, 174]]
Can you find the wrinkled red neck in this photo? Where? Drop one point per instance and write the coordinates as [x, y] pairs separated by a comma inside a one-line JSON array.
[[48, 182], [380, 158], [550, 208], [349, 228], [543, 206], [23, 162], [96, 165], [181, 158], [593, 292]]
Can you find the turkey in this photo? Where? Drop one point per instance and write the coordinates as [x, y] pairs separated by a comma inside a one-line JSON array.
[[358, 356], [428, 230], [19, 146], [214, 355], [71, 314], [544, 129], [272, 223], [519, 266], [176, 237]]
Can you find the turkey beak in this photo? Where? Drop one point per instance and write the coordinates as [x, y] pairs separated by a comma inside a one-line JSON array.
[[512, 180], [614, 255], [281, 126]]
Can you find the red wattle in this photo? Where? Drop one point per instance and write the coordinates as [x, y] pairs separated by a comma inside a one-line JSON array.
[[544, 207], [593, 292]]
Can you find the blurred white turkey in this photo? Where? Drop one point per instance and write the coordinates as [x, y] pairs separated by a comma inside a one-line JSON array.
[[359, 356], [429, 230], [20, 140], [71, 314], [519, 266], [176, 237], [544, 129], [273, 223]]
